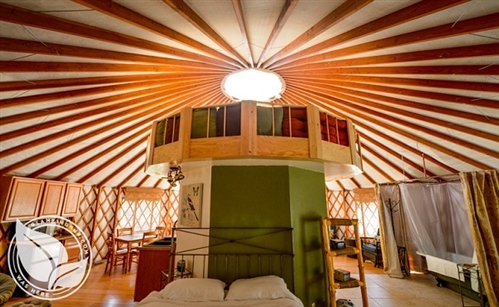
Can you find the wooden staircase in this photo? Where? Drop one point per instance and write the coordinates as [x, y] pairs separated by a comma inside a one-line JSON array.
[[329, 256]]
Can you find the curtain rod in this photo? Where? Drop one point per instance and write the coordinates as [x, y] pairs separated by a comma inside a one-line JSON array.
[[433, 179]]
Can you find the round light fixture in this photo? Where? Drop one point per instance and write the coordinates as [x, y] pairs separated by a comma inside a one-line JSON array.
[[253, 84]]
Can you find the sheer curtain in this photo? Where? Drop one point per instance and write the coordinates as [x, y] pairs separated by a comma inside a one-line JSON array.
[[436, 221]]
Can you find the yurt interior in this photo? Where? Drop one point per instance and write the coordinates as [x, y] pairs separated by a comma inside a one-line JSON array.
[[292, 153]]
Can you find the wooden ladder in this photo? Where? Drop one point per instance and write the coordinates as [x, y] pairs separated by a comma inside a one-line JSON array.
[[329, 255]]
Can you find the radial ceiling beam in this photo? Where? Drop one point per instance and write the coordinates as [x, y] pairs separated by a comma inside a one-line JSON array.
[[400, 169], [340, 13], [152, 107], [120, 170], [188, 14], [25, 17], [76, 82], [359, 104], [378, 169], [353, 110], [127, 15], [489, 119], [469, 26], [114, 110], [392, 152], [449, 98], [137, 138], [415, 56], [139, 95], [325, 78], [286, 11], [25, 66], [139, 170], [412, 12], [238, 9], [34, 47], [28, 100]]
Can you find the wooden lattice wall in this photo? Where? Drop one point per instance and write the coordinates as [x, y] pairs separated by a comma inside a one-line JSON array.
[[96, 218], [354, 204]]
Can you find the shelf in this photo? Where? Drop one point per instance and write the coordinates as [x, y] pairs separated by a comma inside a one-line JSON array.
[[344, 251], [351, 283]]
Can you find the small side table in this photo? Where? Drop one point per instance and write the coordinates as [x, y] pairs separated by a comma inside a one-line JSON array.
[[165, 276]]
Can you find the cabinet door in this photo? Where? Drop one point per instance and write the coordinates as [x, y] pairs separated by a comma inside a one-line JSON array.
[[53, 198], [72, 199], [25, 199]]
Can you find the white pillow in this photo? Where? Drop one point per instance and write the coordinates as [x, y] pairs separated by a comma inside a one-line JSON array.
[[265, 287], [194, 290]]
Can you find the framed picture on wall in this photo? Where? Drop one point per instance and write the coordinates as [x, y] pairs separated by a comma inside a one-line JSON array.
[[191, 205]]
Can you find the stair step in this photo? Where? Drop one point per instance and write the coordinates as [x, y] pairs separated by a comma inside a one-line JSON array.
[[351, 283]]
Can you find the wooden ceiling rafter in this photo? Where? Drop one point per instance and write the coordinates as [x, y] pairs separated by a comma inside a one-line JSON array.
[[368, 177], [115, 10], [71, 94], [471, 51], [406, 147], [413, 104], [384, 174], [88, 81], [472, 70], [238, 9], [25, 66], [286, 11], [155, 111], [135, 172], [468, 26], [140, 135], [130, 97], [412, 12], [25, 17], [369, 106], [377, 169], [120, 170], [144, 179], [352, 111], [113, 111], [395, 154], [57, 50], [399, 168], [447, 98], [417, 82], [193, 18], [355, 182], [343, 11]]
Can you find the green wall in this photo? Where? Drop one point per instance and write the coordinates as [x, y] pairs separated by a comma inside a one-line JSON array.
[[276, 196]]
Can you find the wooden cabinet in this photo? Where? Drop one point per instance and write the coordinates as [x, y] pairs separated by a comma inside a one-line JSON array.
[[21, 198], [152, 261], [53, 198], [27, 198], [72, 199]]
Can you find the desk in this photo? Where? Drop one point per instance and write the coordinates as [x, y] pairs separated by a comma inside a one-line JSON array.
[[129, 240]]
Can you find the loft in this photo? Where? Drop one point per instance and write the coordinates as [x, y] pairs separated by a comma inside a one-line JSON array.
[[254, 130]]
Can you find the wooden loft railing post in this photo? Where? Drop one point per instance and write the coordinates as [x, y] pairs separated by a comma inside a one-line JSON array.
[[248, 128], [185, 134], [314, 132]]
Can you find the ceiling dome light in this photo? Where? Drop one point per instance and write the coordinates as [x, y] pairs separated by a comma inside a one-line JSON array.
[[253, 84]]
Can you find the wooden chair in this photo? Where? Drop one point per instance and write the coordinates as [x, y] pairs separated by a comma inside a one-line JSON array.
[[147, 237], [124, 232], [115, 255], [160, 231]]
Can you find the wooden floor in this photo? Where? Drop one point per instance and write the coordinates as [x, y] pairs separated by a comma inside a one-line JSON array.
[[420, 290], [100, 290]]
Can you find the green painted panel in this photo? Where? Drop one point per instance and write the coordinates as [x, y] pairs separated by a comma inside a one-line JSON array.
[[308, 207]]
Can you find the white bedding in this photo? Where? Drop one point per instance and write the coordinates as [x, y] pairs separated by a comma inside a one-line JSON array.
[[262, 291], [155, 300]]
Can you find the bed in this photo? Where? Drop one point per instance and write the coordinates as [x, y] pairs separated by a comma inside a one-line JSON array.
[[228, 267]]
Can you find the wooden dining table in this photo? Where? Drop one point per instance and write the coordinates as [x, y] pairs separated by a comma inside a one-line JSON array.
[[129, 240]]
